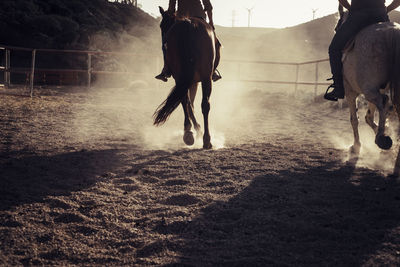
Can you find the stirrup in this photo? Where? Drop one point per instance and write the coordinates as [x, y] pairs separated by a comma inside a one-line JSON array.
[[331, 95], [162, 77], [216, 76]]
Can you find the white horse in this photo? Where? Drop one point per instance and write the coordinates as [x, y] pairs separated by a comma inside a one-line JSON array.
[[371, 66]]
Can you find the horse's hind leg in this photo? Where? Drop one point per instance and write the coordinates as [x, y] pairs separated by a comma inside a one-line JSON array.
[[188, 134], [381, 101], [192, 96], [205, 108], [351, 100]]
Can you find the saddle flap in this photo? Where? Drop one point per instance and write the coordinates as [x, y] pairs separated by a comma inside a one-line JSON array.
[[349, 46]]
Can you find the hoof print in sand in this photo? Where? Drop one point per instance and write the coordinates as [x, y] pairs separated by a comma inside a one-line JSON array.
[[85, 230], [182, 200], [174, 182], [57, 203], [148, 179], [69, 218], [126, 184]]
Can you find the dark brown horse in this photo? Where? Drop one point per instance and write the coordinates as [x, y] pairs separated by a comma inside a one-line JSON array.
[[191, 58]]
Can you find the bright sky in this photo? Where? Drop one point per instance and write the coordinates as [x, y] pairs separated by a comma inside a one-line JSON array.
[[265, 13]]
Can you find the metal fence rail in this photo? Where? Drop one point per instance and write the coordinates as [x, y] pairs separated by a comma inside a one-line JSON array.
[[295, 80], [7, 69]]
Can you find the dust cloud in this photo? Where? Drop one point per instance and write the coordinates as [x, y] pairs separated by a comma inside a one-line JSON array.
[[121, 107], [371, 156], [125, 116], [119, 110]]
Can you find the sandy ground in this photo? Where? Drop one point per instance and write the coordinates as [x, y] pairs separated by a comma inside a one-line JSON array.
[[85, 179]]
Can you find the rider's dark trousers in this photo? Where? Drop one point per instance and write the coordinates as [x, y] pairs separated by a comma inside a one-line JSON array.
[[356, 21]]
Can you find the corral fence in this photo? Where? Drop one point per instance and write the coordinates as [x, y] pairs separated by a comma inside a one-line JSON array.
[[297, 74], [235, 70], [117, 63]]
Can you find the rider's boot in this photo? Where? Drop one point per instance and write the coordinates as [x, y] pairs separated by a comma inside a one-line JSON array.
[[164, 75], [338, 89]]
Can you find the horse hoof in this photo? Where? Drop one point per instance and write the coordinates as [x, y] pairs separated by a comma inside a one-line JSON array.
[[207, 146], [188, 138], [384, 142]]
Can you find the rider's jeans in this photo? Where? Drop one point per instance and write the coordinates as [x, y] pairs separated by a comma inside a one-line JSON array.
[[356, 21]]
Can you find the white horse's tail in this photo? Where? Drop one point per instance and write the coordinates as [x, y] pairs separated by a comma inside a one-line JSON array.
[[394, 67]]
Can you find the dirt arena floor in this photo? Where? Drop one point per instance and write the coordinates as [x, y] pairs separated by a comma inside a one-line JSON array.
[[86, 180]]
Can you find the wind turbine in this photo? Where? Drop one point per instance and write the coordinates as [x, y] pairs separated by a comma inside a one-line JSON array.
[[249, 10], [313, 12]]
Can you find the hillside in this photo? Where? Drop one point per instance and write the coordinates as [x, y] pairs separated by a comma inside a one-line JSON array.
[[243, 32], [305, 41], [103, 25], [75, 24], [109, 26]]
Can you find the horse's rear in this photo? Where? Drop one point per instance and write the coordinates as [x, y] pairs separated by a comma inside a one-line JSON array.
[[191, 50], [369, 68], [190, 56], [366, 67]]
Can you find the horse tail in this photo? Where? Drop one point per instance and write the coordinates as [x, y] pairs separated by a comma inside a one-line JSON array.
[[185, 77], [394, 67]]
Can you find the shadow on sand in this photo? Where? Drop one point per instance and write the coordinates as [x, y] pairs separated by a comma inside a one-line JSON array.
[[29, 179], [332, 215]]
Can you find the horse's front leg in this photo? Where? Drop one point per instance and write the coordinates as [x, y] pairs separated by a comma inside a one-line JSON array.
[[369, 117], [188, 134], [205, 108], [351, 100], [381, 102]]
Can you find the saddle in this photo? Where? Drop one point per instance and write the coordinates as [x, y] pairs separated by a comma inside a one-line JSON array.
[[349, 46]]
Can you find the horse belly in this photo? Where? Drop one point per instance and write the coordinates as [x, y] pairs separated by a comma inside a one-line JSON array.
[[349, 73]]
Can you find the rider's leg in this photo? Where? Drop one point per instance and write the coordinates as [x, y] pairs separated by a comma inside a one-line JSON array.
[[216, 75], [355, 22], [165, 73]]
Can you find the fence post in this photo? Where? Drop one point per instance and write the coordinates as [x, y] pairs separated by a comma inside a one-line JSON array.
[[316, 78], [7, 68], [297, 77], [89, 70], [33, 70]]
